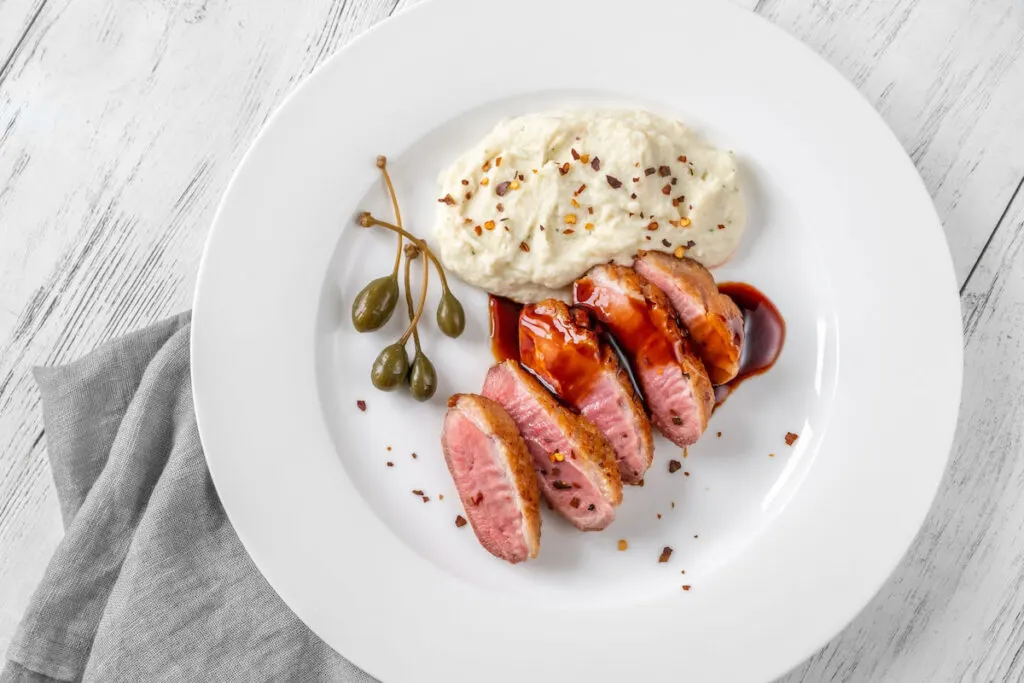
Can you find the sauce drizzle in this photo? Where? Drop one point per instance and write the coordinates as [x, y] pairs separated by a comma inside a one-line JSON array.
[[504, 316], [764, 331]]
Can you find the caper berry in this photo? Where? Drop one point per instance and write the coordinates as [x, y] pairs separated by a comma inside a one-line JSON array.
[[391, 367], [451, 319], [374, 305], [422, 377]]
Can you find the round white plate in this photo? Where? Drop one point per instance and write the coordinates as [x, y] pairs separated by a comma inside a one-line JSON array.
[[781, 545]]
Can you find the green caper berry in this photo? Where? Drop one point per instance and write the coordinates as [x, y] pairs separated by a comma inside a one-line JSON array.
[[375, 303], [422, 378], [391, 367], [451, 319]]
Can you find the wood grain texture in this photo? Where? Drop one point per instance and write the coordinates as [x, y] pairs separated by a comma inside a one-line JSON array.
[[121, 123]]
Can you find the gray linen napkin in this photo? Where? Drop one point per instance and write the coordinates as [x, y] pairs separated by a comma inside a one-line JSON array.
[[150, 582]]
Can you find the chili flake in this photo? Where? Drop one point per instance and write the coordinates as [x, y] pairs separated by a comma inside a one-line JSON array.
[[674, 466], [390, 464], [649, 170], [361, 405], [667, 190], [460, 521], [721, 227], [523, 246], [447, 199], [575, 502], [575, 154], [664, 171], [501, 188], [791, 438], [478, 231], [564, 168], [486, 166], [579, 190], [653, 225], [613, 181], [497, 162], [665, 554], [595, 163]]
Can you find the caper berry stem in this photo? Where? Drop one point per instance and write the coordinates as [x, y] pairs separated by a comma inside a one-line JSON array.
[[411, 253], [368, 220], [419, 309], [382, 164]]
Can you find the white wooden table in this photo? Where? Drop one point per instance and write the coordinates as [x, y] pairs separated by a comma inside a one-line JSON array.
[[122, 121]]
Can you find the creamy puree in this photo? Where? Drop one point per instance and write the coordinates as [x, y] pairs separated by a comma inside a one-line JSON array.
[[544, 197]]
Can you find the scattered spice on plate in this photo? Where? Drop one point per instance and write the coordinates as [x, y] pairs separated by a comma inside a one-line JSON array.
[[721, 227], [361, 405], [414, 456], [460, 521], [686, 474], [686, 587], [673, 505], [686, 452], [389, 448], [390, 464], [575, 154], [665, 554], [447, 199], [659, 515], [440, 496], [719, 435], [791, 438], [426, 499], [417, 492], [771, 455], [622, 544], [674, 466]]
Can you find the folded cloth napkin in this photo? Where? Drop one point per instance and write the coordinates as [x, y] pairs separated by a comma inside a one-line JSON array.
[[150, 582]]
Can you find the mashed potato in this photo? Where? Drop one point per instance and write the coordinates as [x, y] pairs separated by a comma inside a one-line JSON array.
[[544, 197]]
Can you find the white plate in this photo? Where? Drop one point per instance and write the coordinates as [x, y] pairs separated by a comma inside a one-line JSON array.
[[780, 551]]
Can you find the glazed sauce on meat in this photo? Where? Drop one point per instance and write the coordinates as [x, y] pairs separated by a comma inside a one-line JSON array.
[[638, 327], [557, 344], [764, 334], [504, 315]]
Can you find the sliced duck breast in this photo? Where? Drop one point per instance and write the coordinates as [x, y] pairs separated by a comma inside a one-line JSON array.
[[494, 475], [676, 387], [558, 345], [574, 461], [714, 322]]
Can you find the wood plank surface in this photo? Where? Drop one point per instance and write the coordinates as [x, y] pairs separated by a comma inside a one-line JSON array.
[[121, 123]]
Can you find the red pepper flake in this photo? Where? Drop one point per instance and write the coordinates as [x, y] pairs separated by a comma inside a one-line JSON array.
[[595, 163], [460, 521], [500, 207], [791, 438], [501, 188], [633, 196], [665, 554], [613, 181], [426, 499], [465, 182], [664, 171], [487, 166], [497, 162], [686, 587], [389, 448], [564, 168], [575, 502], [653, 225], [575, 154], [440, 496], [523, 246], [683, 158], [579, 190], [640, 483], [417, 492], [673, 505], [649, 170], [469, 195], [721, 227], [647, 237], [390, 464], [478, 230], [674, 466], [521, 177], [659, 515], [569, 231], [447, 199], [414, 456], [666, 243], [590, 210], [361, 405], [561, 485], [636, 180], [719, 435], [686, 474], [667, 190]]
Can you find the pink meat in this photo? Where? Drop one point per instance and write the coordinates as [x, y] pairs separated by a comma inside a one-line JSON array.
[[676, 386], [558, 346], [575, 463], [714, 322], [494, 476]]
